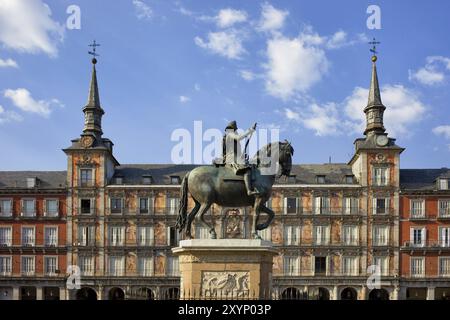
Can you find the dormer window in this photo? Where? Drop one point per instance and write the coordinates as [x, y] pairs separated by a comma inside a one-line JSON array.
[[147, 179], [320, 179], [119, 180], [443, 184], [292, 179], [32, 182], [174, 180], [349, 179]]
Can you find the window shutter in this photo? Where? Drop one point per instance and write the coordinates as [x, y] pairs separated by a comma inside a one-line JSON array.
[[285, 205], [387, 172], [424, 236], [374, 206], [317, 203], [387, 205], [92, 204], [151, 204], [168, 235], [297, 235], [44, 206]]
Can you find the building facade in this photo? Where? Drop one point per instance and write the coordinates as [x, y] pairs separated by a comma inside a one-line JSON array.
[[335, 224]]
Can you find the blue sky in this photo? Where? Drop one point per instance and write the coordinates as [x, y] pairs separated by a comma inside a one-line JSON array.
[[301, 66]]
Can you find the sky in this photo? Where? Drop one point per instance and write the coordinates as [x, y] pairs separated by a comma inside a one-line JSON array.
[[302, 67]]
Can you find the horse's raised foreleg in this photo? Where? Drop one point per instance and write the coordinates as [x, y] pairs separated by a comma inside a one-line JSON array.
[[257, 206], [203, 209], [269, 219], [190, 218]]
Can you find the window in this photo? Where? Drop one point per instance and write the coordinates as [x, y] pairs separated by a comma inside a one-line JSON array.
[[5, 266], [50, 265], [116, 236], [145, 266], [444, 208], [172, 266], [174, 180], [147, 180], [380, 205], [5, 236], [172, 236], [86, 264], [321, 235], [86, 235], [51, 236], [116, 205], [28, 207], [350, 266], [349, 179], [51, 208], [444, 236], [418, 237], [417, 267], [351, 205], [322, 205], [172, 203], [380, 176], [146, 205], [290, 205], [383, 264], [444, 266], [87, 206], [291, 235], [320, 179], [443, 184], [119, 180], [5, 208], [145, 236], [28, 266], [350, 235], [28, 237], [201, 232], [290, 265], [32, 182], [417, 208], [86, 178], [320, 265], [380, 235], [266, 234], [116, 265]]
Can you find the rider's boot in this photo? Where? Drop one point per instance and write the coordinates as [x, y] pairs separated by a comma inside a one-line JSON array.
[[251, 191]]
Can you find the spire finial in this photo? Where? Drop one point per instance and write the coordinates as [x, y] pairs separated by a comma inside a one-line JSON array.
[[94, 45], [374, 43]]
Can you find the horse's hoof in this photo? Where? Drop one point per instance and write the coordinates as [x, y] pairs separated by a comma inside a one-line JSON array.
[[256, 236]]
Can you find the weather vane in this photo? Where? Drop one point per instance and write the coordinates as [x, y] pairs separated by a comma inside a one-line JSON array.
[[374, 49], [94, 46]]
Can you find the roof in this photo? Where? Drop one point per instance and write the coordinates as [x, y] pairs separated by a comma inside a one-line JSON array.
[[47, 179], [421, 179], [132, 174]]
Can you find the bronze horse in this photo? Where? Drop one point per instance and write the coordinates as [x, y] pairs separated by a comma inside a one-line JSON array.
[[220, 185]]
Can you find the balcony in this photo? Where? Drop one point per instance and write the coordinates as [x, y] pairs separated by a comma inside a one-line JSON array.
[[444, 214], [86, 211], [86, 183], [6, 273], [429, 245], [28, 273], [417, 215], [6, 214], [333, 211]]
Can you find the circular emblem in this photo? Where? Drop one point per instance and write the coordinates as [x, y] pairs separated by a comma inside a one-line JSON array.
[[87, 141], [380, 157], [382, 141]]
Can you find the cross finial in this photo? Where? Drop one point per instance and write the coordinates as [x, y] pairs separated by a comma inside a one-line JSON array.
[[93, 53], [374, 43]]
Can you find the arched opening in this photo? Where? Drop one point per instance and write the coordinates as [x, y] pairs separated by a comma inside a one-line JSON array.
[[292, 293], [116, 294], [349, 294], [28, 293], [145, 294], [86, 293], [51, 293], [442, 294], [416, 293], [172, 294], [6, 293], [378, 294], [323, 294]]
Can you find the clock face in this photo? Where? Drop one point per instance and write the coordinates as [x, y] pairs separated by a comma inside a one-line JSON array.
[[382, 141], [87, 141]]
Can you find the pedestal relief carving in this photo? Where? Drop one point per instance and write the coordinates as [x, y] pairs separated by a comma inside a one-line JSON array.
[[222, 283]]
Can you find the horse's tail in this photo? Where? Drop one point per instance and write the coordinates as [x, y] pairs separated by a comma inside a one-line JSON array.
[[182, 210]]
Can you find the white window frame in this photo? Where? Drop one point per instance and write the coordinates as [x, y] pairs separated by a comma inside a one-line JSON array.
[[350, 266], [383, 263], [145, 236], [146, 269], [444, 184], [172, 205], [23, 243], [91, 181], [321, 235], [380, 233], [423, 236], [444, 262], [350, 205], [285, 203], [116, 236], [172, 266], [4, 213], [22, 206], [291, 265], [87, 265], [56, 236], [380, 176], [352, 238], [419, 264], [375, 205], [86, 235], [417, 211], [46, 212], [22, 265], [322, 205], [291, 235], [266, 234], [91, 206], [116, 265], [8, 242], [444, 236], [444, 208], [8, 266], [116, 210], [46, 265]]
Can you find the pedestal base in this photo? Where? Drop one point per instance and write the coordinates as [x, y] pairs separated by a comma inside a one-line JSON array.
[[225, 268]]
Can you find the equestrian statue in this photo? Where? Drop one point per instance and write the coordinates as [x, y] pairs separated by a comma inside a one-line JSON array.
[[235, 181]]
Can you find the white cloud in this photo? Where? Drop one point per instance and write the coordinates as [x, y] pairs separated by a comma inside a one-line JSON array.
[[403, 108], [291, 114], [323, 120], [184, 99], [433, 72], [225, 43], [272, 19], [8, 116], [338, 40], [443, 131], [23, 100], [228, 17], [247, 75], [27, 26], [197, 87], [143, 10], [8, 63], [293, 66]]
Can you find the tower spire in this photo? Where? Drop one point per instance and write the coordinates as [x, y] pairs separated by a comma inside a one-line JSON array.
[[375, 109], [93, 112]]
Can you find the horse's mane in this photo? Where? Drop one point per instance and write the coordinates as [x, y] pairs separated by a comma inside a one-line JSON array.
[[266, 150]]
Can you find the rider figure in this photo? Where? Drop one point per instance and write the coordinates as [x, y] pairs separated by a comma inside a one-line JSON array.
[[232, 154]]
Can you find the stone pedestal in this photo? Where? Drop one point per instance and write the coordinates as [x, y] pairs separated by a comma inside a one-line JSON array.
[[225, 268]]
